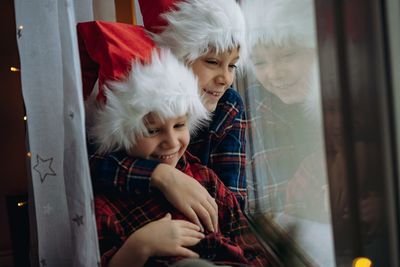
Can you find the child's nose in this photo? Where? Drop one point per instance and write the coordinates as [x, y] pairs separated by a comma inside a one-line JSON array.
[[224, 76], [170, 139], [275, 72]]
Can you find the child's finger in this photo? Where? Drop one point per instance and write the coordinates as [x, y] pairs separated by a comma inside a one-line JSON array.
[[205, 217], [192, 233], [188, 241], [211, 200], [184, 252], [214, 216], [188, 225], [192, 216]]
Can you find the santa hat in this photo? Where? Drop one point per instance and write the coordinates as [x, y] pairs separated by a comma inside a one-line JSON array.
[[191, 27], [280, 22], [134, 80]]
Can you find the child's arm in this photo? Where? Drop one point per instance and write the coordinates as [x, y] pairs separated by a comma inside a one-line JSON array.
[[231, 160], [228, 151], [128, 174], [164, 237]]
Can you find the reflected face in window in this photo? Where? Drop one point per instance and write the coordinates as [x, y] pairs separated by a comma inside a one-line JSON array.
[[166, 140], [284, 70], [215, 72]]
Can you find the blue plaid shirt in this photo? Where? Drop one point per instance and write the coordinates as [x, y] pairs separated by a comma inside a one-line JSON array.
[[220, 146], [285, 155]]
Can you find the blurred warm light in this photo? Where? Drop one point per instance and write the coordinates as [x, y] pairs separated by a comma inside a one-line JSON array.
[[14, 69], [25, 118], [362, 262], [28, 154], [20, 27], [21, 204]]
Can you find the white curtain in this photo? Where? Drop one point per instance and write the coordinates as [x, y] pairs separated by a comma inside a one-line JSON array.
[[52, 92]]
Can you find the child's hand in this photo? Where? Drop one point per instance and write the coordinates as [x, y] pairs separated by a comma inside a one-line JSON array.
[[166, 237], [187, 195]]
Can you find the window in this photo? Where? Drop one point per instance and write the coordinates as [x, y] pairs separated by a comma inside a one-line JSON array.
[[286, 171]]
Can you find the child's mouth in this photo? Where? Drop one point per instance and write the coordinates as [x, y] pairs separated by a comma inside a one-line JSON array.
[[213, 93], [165, 156]]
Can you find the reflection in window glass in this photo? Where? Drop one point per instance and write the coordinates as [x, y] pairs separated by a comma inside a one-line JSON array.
[[286, 172]]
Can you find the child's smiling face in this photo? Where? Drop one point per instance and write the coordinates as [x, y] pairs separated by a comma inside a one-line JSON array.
[[284, 70], [166, 140], [215, 72]]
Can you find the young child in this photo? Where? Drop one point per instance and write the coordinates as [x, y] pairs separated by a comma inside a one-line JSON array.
[[151, 118], [285, 110], [208, 35]]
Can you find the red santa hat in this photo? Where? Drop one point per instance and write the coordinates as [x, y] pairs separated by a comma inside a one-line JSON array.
[[191, 27], [280, 22], [134, 80]]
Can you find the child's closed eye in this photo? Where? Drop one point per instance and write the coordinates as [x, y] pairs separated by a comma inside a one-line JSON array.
[[288, 56], [233, 66], [152, 132], [180, 125], [211, 61]]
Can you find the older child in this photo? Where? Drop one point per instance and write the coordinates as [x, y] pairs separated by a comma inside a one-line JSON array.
[[148, 118], [208, 35]]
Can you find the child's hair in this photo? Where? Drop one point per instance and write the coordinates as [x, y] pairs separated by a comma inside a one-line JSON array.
[[135, 80], [280, 22], [190, 28]]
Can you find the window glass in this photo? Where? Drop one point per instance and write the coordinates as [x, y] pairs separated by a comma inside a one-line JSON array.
[[286, 167], [393, 19]]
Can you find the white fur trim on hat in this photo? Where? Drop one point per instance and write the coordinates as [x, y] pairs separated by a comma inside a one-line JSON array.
[[164, 87], [198, 25], [279, 22]]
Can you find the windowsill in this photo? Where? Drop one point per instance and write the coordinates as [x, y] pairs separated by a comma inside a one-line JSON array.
[[295, 241]]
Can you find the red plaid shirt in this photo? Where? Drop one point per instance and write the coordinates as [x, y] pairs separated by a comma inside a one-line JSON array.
[[119, 215]]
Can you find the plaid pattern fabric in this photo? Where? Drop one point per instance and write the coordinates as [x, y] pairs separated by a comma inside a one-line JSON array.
[[281, 138], [307, 194], [221, 147], [119, 215], [117, 170]]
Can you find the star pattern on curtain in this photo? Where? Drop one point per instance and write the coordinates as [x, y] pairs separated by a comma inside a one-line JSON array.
[[19, 32], [78, 219], [47, 209], [43, 167]]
